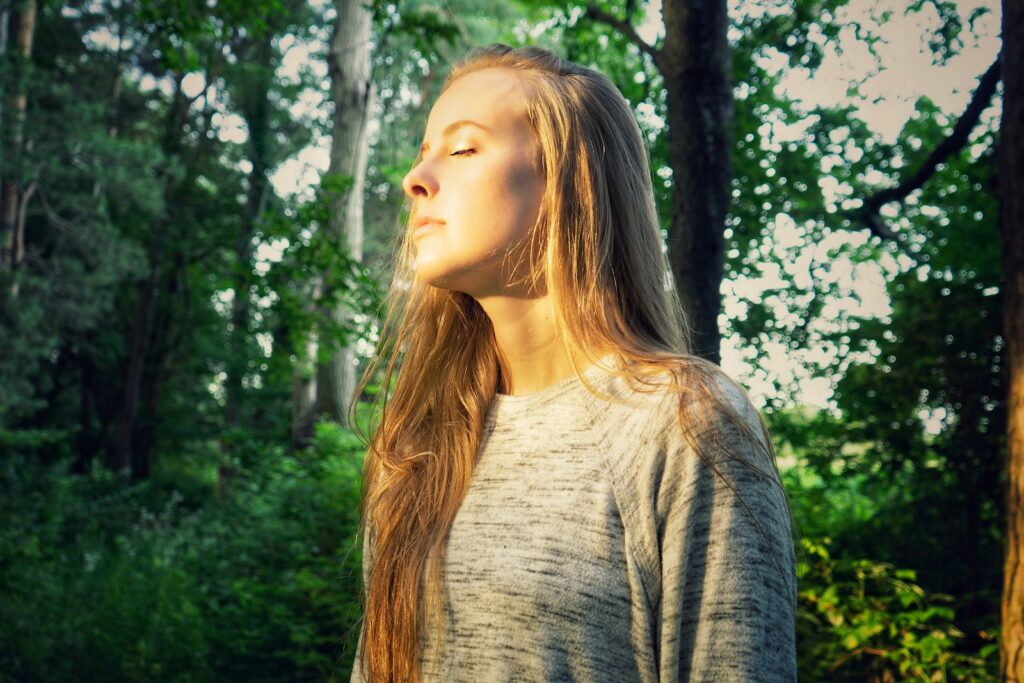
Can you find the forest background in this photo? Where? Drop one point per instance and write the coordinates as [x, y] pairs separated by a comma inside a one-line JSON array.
[[200, 200]]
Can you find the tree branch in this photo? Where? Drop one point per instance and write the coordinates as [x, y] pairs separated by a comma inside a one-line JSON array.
[[595, 13], [19, 235], [51, 215], [868, 214]]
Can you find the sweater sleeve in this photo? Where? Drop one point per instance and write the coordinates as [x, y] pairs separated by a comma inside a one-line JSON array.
[[725, 599], [357, 667]]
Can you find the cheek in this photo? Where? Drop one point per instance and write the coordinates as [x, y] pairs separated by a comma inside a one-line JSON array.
[[523, 189], [524, 178], [496, 207]]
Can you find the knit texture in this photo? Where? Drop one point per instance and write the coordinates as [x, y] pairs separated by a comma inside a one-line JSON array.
[[594, 545]]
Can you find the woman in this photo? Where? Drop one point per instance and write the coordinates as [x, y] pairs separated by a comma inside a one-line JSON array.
[[556, 489]]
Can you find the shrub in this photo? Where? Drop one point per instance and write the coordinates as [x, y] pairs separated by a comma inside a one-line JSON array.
[[104, 580], [859, 620]]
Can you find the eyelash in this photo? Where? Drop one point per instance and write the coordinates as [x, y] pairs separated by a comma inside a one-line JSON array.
[[463, 152]]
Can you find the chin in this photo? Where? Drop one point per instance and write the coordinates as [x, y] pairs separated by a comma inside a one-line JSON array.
[[470, 274], [455, 281], [436, 275]]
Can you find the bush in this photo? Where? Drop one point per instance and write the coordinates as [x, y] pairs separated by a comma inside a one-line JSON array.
[[104, 580], [859, 620]]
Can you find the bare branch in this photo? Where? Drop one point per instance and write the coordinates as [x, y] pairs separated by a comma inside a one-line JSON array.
[[872, 220], [595, 13], [19, 237], [868, 214], [51, 215]]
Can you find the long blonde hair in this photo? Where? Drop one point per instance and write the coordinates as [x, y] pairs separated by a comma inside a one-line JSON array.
[[605, 269]]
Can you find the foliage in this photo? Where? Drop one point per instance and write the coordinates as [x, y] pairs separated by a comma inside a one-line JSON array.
[[105, 580], [860, 620], [317, 256]]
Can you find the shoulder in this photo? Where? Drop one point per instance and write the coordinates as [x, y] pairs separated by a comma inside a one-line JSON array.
[[707, 411], [685, 396], [697, 465], [663, 431]]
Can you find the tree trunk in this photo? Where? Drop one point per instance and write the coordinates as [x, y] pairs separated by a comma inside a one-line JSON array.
[[159, 369], [142, 333], [12, 195], [145, 316], [304, 395], [5, 17], [256, 112], [696, 64], [86, 441], [1011, 218], [352, 92]]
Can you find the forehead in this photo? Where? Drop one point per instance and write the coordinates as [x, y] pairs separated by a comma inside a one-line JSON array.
[[494, 97]]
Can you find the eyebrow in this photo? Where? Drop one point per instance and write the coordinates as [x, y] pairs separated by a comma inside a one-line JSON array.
[[454, 126]]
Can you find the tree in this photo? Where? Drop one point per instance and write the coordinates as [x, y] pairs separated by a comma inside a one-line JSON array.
[[261, 101], [15, 192], [1011, 220], [352, 95], [695, 64]]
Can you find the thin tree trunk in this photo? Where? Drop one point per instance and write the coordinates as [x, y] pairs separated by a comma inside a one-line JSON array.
[[696, 64], [159, 369], [5, 17], [1011, 218], [145, 317], [256, 112], [352, 92], [12, 195], [304, 392], [86, 443], [142, 332]]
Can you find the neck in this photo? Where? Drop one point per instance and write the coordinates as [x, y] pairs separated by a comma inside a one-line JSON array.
[[533, 355]]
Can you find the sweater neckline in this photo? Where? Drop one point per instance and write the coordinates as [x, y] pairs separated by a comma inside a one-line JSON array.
[[520, 402]]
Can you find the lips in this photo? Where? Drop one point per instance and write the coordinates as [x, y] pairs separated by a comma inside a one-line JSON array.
[[423, 224], [420, 221]]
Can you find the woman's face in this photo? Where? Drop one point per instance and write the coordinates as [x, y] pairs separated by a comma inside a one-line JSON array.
[[477, 178]]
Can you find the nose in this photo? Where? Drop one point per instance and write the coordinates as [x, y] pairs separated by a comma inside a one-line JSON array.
[[419, 182]]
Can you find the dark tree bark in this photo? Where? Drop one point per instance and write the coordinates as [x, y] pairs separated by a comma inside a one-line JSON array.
[[5, 21], [1011, 226], [696, 64], [87, 443], [125, 454]]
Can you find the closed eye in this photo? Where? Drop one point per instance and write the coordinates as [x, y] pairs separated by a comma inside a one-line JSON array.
[[463, 152]]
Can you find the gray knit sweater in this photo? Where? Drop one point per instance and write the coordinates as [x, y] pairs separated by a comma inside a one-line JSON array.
[[594, 545]]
